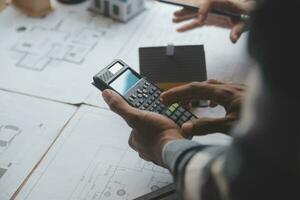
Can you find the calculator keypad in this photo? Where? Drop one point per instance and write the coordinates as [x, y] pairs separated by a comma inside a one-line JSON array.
[[145, 96]]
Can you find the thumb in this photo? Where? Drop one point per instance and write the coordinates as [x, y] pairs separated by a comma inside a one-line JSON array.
[[237, 31], [206, 125], [118, 105]]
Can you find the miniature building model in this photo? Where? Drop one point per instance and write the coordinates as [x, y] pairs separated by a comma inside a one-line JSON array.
[[35, 8], [173, 65], [121, 10]]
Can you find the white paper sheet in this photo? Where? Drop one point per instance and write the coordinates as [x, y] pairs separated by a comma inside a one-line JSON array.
[[92, 160], [28, 126], [55, 57]]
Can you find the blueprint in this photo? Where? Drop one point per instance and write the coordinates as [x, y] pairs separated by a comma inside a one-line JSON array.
[[27, 129], [55, 57], [92, 160]]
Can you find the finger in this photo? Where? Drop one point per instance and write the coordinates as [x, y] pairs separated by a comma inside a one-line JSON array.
[[118, 105], [183, 12], [212, 104], [203, 126], [144, 157], [192, 91], [237, 31], [178, 19], [200, 20]]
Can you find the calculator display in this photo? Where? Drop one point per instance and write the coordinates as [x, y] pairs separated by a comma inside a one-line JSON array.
[[124, 82]]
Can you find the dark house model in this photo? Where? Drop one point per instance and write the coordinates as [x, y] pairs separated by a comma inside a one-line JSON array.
[[172, 66]]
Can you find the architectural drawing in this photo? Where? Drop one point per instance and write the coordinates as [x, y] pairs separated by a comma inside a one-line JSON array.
[[27, 129], [53, 44], [101, 166], [7, 135]]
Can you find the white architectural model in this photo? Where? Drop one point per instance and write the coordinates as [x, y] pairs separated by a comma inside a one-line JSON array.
[[121, 10]]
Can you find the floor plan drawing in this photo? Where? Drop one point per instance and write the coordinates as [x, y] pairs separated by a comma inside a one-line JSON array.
[[7, 135], [27, 129], [92, 161], [40, 46]]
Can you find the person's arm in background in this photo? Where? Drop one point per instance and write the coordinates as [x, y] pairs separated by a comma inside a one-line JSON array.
[[203, 17]]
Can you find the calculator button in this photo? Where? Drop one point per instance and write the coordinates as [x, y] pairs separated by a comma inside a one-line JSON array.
[[152, 99], [130, 99], [142, 108], [188, 114], [168, 113], [145, 91], [181, 109], [145, 86], [159, 109], [154, 105], [145, 95], [151, 109], [133, 96], [180, 122], [139, 91], [156, 95], [172, 109], [150, 92], [137, 104], [146, 105], [147, 83], [141, 101], [177, 113], [140, 95], [184, 118], [173, 117]]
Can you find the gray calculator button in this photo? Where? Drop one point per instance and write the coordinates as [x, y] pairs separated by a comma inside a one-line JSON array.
[[181, 109], [184, 118], [146, 105], [130, 99], [139, 91], [137, 105], [187, 114], [173, 117], [146, 96], [177, 113], [168, 113], [180, 122], [145, 91], [147, 83], [140, 95]]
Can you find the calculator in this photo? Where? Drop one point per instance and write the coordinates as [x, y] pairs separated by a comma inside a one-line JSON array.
[[138, 91]]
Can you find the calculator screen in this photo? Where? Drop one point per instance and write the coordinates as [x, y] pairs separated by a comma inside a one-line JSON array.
[[124, 82]]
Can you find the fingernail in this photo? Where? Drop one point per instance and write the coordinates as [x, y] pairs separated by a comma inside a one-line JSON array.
[[187, 127]]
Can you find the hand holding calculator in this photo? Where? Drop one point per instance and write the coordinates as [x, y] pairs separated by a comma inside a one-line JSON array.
[[138, 91]]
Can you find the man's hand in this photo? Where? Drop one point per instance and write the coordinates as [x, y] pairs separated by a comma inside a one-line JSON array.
[[202, 17], [150, 131], [228, 95]]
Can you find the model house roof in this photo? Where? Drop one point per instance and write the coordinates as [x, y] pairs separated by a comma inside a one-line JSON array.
[[173, 63]]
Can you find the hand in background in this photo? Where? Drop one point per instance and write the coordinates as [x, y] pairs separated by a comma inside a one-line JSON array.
[[228, 95], [202, 17], [150, 131]]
